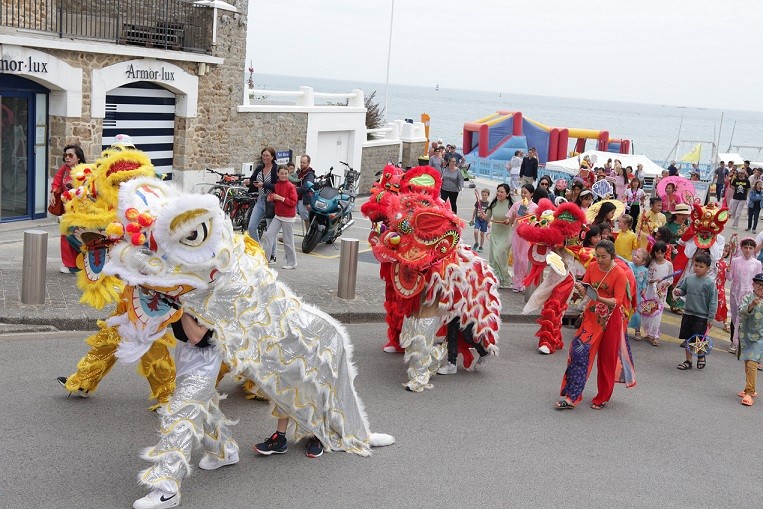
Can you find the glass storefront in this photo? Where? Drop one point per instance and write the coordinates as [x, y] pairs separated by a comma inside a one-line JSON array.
[[23, 149]]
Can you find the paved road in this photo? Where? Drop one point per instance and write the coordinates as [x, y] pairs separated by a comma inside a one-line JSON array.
[[488, 439]]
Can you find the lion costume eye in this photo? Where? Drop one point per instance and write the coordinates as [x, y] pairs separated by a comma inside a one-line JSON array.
[[197, 237]]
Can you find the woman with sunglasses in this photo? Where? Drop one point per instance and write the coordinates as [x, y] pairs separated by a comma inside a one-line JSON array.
[[73, 155], [546, 183]]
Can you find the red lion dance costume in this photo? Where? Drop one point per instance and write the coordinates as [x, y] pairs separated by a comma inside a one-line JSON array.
[[553, 233], [704, 232], [430, 279]]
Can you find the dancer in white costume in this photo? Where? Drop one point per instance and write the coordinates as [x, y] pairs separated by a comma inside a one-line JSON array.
[[300, 357], [192, 417]]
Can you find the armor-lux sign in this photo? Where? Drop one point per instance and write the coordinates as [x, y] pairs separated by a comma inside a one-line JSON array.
[[149, 74], [29, 65]]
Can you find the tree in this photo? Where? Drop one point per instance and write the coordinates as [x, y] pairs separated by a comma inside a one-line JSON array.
[[374, 113]]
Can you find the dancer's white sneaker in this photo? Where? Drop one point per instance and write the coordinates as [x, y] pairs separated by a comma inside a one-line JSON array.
[[157, 499], [213, 462], [448, 369]]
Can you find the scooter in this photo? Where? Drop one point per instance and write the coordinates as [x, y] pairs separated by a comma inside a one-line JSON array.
[[330, 208]]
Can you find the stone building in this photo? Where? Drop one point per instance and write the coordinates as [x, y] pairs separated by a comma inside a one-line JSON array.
[[170, 73]]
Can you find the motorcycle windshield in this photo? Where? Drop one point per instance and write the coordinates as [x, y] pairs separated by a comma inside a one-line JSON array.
[[328, 193]]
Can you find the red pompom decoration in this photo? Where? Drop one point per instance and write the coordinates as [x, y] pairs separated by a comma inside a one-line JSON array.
[[138, 239], [132, 213], [145, 220], [133, 228]]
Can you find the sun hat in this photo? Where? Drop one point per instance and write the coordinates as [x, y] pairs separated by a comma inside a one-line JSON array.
[[593, 210], [682, 208]]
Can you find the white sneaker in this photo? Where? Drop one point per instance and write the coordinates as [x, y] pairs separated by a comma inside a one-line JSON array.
[[157, 499], [213, 462], [289, 267], [544, 350], [447, 369], [65, 270], [390, 349]]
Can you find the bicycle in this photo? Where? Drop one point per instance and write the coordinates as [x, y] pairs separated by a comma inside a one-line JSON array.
[[236, 201]]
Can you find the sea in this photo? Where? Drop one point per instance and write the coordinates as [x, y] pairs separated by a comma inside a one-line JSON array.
[[654, 129]]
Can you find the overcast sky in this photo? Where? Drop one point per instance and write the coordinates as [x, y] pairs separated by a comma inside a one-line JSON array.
[[702, 53]]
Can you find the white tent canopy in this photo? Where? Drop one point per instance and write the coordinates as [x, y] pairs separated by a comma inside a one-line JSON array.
[[730, 156], [572, 165]]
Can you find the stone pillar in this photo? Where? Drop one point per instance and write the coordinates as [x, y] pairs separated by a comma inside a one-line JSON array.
[[414, 143]]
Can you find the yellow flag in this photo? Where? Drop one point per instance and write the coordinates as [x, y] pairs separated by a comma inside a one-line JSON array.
[[693, 155]]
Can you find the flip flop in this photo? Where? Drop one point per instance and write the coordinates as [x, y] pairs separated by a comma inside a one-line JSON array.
[[594, 406], [564, 405]]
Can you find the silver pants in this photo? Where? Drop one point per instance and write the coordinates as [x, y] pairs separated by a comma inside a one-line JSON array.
[[191, 417], [421, 354]]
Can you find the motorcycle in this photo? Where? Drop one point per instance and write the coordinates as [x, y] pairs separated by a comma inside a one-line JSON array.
[[330, 208]]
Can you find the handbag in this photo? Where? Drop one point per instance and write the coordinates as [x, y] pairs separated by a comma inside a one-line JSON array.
[[270, 210], [57, 207]]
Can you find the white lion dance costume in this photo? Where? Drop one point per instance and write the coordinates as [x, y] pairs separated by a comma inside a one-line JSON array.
[[430, 278], [298, 356]]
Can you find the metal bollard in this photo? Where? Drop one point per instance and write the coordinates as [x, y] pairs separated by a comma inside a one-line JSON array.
[[33, 271], [529, 291], [348, 268]]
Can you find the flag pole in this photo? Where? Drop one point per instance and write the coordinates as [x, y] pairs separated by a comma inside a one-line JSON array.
[[389, 54]]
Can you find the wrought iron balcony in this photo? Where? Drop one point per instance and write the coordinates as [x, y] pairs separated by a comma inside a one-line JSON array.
[[164, 24]]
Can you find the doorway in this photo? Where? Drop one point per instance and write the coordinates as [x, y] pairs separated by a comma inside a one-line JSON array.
[[23, 149]]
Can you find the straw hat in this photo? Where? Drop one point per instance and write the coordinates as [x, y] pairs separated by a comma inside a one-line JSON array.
[[593, 210], [682, 208]]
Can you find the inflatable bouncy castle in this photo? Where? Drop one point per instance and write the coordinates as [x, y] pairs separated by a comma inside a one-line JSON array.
[[497, 136]]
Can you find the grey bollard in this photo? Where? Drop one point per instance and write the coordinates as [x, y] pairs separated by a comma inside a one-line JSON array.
[[348, 268], [33, 271], [529, 291]]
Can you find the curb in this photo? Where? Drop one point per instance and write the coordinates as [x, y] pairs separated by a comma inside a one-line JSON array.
[[27, 324]]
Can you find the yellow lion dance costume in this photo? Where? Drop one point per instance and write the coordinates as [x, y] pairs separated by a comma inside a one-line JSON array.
[[90, 215]]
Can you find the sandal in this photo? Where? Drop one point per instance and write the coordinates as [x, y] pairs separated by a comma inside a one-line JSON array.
[[742, 394], [654, 342], [685, 365], [747, 400], [701, 362], [637, 336], [564, 405], [594, 406]]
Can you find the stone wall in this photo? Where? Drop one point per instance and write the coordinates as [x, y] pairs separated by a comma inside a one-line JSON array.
[[411, 153], [251, 132], [209, 140], [374, 160]]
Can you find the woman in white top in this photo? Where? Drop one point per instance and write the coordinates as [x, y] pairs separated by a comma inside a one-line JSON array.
[[634, 197], [513, 168]]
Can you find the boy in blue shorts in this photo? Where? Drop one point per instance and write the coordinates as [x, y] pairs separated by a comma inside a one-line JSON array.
[[479, 220], [701, 304]]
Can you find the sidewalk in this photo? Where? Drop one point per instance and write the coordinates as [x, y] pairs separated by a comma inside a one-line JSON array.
[[315, 279]]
